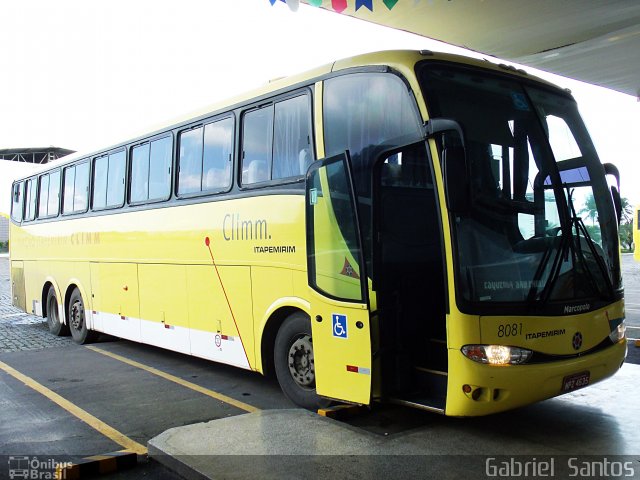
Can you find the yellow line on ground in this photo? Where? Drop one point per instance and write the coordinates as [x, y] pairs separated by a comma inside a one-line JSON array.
[[185, 383], [73, 409]]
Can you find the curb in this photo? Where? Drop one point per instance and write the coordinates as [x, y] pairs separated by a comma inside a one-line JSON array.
[[98, 465]]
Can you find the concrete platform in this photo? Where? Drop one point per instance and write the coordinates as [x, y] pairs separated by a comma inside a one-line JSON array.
[[597, 421]]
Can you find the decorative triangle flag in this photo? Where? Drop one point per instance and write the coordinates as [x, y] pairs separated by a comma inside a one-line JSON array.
[[315, 3], [390, 3], [364, 3]]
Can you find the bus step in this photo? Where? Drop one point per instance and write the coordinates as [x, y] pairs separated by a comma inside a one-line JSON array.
[[422, 402], [434, 372], [431, 382]]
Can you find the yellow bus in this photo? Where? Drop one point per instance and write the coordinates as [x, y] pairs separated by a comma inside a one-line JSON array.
[[636, 233], [399, 226]]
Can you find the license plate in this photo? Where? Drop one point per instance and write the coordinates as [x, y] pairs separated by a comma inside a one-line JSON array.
[[573, 382]]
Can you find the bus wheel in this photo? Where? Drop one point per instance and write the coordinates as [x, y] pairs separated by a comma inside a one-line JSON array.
[[53, 316], [77, 320], [294, 364]]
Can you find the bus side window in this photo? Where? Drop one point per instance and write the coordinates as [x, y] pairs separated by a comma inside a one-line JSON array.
[[160, 161], [75, 188], [257, 142], [190, 162], [53, 207], [139, 173], [81, 188], [100, 167], [68, 188], [218, 152], [292, 138], [108, 180], [115, 179], [43, 195], [30, 200], [49, 195], [151, 171], [16, 203]]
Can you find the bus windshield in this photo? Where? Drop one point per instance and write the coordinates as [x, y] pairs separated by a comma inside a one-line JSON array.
[[540, 233]]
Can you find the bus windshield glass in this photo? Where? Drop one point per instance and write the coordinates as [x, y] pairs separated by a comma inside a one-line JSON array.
[[541, 230]]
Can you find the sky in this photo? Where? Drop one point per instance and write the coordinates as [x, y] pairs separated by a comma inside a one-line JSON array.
[[84, 74]]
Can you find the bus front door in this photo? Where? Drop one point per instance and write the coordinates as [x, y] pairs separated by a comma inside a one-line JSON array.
[[338, 286]]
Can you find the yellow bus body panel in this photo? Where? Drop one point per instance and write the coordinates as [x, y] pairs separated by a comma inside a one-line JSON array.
[[151, 271], [636, 234], [506, 387]]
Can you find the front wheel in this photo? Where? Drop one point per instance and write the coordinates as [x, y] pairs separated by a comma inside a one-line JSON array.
[[77, 320], [294, 362]]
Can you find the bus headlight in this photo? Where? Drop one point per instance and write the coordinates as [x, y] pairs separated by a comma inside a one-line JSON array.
[[618, 333], [497, 354]]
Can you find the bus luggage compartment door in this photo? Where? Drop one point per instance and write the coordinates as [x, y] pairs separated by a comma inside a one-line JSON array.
[[338, 286], [18, 296]]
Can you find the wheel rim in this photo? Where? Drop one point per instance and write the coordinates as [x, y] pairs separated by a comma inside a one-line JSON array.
[[77, 315], [301, 365]]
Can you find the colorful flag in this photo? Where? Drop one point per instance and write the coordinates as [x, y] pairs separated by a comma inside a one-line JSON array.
[[293, 5], [364, 3], [390, 3], [339, 5]]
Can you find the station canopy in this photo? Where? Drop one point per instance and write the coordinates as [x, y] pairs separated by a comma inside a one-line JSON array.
[[595, 41]]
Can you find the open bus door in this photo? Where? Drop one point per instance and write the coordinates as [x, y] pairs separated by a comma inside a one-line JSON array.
[[338, 285]]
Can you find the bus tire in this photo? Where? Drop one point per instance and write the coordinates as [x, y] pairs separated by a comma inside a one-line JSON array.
[[53, 315], [294, 364], [78, 321]]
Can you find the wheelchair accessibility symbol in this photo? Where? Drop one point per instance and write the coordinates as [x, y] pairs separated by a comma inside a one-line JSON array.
[[339, 325]]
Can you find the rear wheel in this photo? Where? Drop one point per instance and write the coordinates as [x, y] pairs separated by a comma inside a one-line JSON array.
[[53, 315], [77, 320], [294, 362]]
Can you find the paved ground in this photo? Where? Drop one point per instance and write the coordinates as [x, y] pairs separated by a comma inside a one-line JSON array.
[[19, 331], [137, 390], [113, 384]]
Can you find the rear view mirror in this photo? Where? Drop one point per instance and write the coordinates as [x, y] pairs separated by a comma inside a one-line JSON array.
[[454, 162], [456, 179], [611, 169]]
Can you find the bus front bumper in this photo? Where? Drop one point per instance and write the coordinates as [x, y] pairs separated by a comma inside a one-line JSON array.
[[476, 389]]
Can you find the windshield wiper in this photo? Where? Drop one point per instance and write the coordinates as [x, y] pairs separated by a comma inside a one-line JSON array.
[[581, 228], [571, 244], [561, 255]]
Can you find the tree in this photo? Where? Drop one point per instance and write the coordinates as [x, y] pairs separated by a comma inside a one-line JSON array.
[[625, 229], [627, 211], [626, 235], [590, 208]]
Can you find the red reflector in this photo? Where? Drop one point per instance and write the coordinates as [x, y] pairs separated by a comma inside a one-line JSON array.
[[352, 368], [167, 326], [123, 318], [225, 337]]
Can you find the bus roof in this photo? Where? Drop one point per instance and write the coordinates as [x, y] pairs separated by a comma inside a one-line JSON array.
[[387, 58]]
